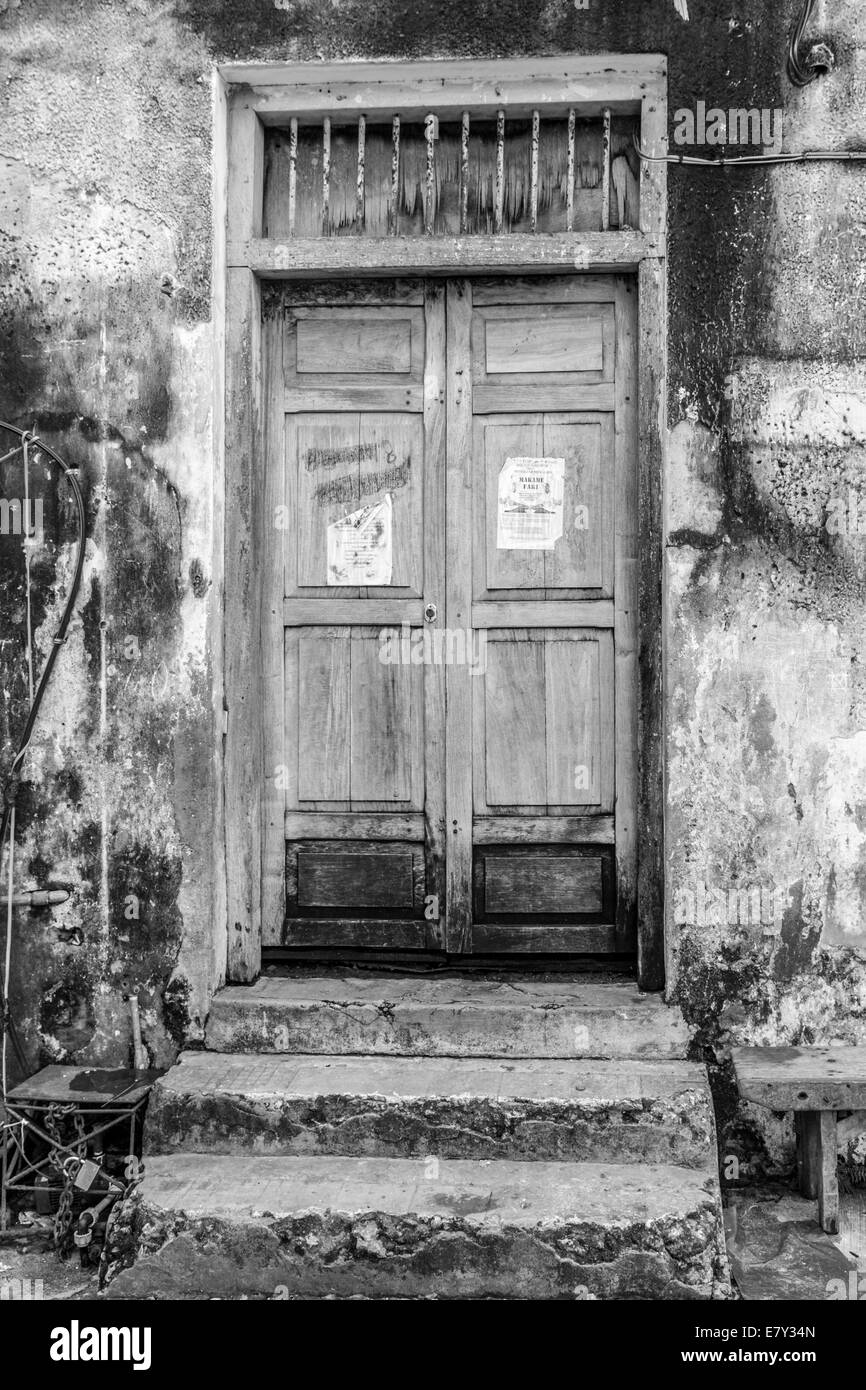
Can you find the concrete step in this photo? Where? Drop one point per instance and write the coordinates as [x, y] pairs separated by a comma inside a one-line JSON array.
[[206, 1226], [445, 1017], [624, 1112]]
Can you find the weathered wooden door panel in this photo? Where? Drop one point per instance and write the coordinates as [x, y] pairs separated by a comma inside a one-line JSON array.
[[504, 818], [544, 722], [547, 486], [358, 421]]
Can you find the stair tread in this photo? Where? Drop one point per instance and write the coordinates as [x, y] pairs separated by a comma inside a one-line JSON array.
[[447, 1017], [273, 1075], [489, 1193], [433, 991]]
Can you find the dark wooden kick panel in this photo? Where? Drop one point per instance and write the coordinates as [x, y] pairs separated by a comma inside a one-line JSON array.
[[572, 885], [559, 884]]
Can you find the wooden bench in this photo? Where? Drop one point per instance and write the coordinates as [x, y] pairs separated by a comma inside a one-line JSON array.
[[816, 1083]]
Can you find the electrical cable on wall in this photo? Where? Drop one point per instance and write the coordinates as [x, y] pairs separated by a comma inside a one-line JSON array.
[[818, 59], [725, 161], [12, 784]]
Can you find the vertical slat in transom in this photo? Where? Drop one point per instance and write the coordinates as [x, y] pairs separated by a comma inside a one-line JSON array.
[[464, 173], [533, 175], [430, 129], [293, 173], [326, 176], [605, 171], [569, 176], [500, 171], [395, 177], [359, 195]]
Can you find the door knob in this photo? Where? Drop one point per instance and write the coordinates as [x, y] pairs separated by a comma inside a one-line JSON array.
[[430, 613]]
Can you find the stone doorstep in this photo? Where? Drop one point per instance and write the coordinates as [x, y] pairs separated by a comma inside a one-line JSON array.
[[454, 1017], [201, 1226], [455, 1108]]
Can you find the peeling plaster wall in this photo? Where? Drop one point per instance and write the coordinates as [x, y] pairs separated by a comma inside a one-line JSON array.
[[106, 242]]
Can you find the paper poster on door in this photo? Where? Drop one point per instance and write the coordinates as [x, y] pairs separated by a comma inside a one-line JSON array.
[[529, 513], [359, 546]]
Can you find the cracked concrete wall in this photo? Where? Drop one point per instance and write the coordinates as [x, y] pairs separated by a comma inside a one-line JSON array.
[[106, 244]]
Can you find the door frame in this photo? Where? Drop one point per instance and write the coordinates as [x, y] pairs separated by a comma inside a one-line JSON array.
[[248, 96]]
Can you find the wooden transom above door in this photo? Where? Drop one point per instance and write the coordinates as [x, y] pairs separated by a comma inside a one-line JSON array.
[[450, 616]]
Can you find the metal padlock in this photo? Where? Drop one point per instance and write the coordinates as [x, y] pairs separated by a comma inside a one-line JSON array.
[[86, 1176]]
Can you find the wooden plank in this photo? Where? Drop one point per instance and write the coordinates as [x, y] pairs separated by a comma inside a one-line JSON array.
[[360, 192], [246, 150], [243, 536], [326, 176], [393, 934], [584, 554], [356, 879], [394, 193], [579, 706], [807, 1124], [626, 632], [495, 400], [242, 766], [517, 830], [273, 644], [533, 174], [553, 613], [531, 938], [514, 723], [330, 612], [287, 297], [651, 778], [361, 342], [357, 256], [563, 339], [605, 170], [382, 719], [464, 172], [435, 544], [293, 174], [395, 443], [324, 436], [458, 786], [548, 289], [552, 884], [653, 172], [802, 1078], [314, 825], [569, 175], [495, 442], [354, 398], [499, 194], [430, 129], [652, 432], [587, 83], [322, 677], [828, 1190]]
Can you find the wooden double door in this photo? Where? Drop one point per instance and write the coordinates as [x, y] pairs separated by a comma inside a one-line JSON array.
[[450, 616]]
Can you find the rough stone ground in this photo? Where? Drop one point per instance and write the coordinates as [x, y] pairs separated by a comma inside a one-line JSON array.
[[30, 1269], [777, 1250]]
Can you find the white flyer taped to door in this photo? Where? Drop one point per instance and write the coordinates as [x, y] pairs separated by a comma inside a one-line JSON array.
[[529, 514], [359, 546]]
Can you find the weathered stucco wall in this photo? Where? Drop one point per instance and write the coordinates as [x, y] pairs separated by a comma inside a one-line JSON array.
[[106, 244]]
